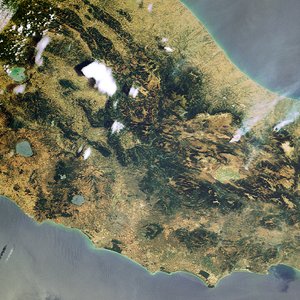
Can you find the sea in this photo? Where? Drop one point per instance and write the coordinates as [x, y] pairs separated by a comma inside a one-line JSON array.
[[261, 37], [46, 261]]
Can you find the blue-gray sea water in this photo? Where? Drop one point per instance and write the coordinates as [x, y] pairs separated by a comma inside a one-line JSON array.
[[50, 262], [262, 37]]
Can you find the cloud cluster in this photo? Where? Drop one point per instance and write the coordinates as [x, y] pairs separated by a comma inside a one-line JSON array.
[[105, 82], [5, 15]]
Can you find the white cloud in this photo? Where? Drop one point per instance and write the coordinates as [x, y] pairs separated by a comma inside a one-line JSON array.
[[105, 82], [133, 92], [40, 47], [262, 108], [87, 153], [5, 15], [169, 49], [237, 136], [256, 113], [150, 7], [115, 104], [19, 89], [291, 118], [117, 127]]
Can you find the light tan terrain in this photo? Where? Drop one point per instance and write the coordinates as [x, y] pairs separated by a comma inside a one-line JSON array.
[[169, 191]]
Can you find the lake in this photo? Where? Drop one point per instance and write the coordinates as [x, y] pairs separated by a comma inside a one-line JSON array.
[[261, 37], [50, 262]]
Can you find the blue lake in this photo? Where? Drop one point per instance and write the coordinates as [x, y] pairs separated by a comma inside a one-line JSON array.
[[262, 37], [50, 262]]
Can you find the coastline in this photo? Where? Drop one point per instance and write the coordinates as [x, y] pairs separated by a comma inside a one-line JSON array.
[[214, 55], [92, 247], [227, 56], [220, 77], [253, 56]]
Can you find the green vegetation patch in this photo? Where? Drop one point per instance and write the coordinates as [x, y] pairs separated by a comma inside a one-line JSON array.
[[226, 174]]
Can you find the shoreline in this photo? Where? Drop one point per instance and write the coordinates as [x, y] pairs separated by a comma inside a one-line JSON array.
[[92, 247], [226, 54], [113, 213]]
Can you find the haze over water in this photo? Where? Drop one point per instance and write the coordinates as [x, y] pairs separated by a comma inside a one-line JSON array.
[[262, 37], [50, 262]]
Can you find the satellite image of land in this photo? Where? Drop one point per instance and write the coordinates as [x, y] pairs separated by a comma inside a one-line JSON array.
[[170, 157]]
